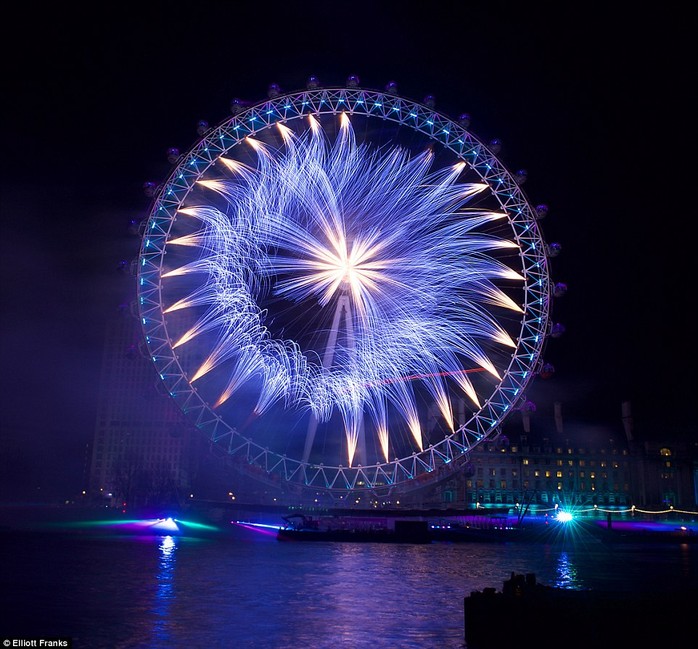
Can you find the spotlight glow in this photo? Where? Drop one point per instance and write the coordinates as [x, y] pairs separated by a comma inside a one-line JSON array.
[[564, 517]]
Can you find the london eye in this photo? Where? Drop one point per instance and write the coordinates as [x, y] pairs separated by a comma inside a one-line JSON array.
[[344, 289]]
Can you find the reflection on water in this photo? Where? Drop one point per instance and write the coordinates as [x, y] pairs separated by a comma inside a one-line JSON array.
[[165, 590], [567, 576], [124, 592]]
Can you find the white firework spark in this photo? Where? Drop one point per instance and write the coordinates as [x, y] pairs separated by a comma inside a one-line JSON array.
[[373, 243]]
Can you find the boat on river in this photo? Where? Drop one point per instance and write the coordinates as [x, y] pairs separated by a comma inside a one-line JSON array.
[[300, 527]]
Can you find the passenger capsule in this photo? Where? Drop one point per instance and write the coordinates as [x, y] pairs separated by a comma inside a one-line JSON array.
[[547, 370], [520, 176]]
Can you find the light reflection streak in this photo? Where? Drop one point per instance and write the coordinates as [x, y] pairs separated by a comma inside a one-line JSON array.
[[151, 526], [567, 574], [165, 590], [259, 528]]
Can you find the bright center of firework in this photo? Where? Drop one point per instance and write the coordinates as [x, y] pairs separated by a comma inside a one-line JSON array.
[[338, 268], [407, 280]]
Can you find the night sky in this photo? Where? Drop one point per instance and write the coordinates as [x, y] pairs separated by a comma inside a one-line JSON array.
[[596, 103]]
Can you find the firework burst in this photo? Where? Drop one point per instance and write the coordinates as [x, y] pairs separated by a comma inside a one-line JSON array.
[[340, 279]]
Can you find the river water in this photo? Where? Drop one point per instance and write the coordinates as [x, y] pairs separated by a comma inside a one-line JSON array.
[[251, 591]]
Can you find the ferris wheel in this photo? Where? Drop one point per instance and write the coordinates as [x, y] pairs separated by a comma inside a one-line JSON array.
[[344, 289]]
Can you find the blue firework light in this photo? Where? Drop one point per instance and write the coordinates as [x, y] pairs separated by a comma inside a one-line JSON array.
[[344, 288]]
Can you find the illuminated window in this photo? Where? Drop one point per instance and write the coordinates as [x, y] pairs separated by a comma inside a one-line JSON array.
[[558, 474], [665, 452]]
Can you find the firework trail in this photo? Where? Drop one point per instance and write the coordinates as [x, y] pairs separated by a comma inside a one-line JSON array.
[[384, 278]]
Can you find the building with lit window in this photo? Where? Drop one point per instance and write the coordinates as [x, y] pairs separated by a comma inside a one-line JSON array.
[[539, 466]]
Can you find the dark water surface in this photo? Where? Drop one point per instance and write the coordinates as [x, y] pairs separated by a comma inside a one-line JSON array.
[[253, 591]]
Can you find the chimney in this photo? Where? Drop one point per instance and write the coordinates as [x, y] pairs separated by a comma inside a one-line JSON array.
[[627, 420], [558, 417]]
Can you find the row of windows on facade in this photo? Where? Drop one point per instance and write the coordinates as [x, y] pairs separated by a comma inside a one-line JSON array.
[[548, 473], [572, 484], [546, 461], [548, 450], [542, 497], [154, 454], [119, 443], [173, 465], [148, 426]]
